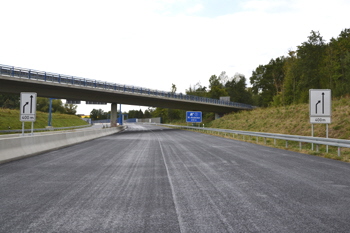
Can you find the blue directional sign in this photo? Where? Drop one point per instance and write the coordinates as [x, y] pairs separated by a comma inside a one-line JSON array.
[[194, 117]]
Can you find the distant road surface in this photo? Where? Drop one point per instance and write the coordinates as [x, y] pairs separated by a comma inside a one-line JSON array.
[[154, 179]]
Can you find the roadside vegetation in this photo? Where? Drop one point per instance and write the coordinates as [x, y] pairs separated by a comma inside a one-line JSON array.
[[9, 119], [294, 120], [290, 119]]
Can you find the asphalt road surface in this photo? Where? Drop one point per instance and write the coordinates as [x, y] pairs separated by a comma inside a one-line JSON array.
[[153, 179]]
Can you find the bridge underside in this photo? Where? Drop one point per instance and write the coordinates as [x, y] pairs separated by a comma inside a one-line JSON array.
[[60, 91]]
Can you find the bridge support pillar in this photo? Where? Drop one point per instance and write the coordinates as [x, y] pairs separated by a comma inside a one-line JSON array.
[[217, 116], [114, 111]]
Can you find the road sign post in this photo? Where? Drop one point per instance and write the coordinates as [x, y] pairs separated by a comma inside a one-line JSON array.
[[28, 109], [320, 104]]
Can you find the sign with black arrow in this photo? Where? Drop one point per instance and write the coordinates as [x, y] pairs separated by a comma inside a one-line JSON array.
[[320, 106], [28, 106]]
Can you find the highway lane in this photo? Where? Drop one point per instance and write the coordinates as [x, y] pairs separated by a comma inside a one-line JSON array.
[[153, 179]]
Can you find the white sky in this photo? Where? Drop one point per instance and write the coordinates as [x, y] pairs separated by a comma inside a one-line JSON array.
[[154, 43]]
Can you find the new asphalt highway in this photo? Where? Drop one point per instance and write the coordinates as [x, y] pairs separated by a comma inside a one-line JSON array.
[[154, 179]]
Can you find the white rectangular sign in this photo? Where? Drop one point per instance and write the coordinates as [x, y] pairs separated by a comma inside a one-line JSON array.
[[28, 106], [320, 106], [320, 120]]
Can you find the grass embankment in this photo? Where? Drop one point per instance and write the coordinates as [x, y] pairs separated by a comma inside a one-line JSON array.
[[10, 118], [294, 120]]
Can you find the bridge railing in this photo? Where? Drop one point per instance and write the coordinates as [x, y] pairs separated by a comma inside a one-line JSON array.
[[24, 73]]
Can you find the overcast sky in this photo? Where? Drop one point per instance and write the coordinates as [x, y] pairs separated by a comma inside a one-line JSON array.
[[154, 43]]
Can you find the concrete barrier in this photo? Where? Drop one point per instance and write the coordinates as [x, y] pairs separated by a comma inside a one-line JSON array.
[[19, 147]]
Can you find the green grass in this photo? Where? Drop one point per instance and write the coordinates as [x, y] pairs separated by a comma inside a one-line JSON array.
[[294, 120], [10, 118]]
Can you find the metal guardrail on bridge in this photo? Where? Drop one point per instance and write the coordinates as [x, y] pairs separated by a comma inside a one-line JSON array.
[[312, 140], [18, 72]]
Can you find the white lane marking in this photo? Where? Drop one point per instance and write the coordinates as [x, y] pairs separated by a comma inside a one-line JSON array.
[[179, 219]]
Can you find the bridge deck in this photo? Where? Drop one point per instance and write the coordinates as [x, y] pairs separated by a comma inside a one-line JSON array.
[[16, 80]]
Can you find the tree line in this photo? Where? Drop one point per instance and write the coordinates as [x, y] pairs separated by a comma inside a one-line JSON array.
[[12, 101], [315, 64], [219, 86], [285, 80], [99, 114]]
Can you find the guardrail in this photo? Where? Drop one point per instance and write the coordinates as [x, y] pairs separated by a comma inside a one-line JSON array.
[[43, 129], [306, 139], [76, 81]]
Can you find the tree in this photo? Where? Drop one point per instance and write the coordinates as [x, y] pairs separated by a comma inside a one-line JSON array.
[[10, 101], [223, 78], [216, 87], [162, 113], [261, 86], [174, 114], [290, 91], [310, 55], [197, 90], [148, 113], [57, 106], [70, 109], [43, 104], [236, 89], [98, 114], [336, 64]]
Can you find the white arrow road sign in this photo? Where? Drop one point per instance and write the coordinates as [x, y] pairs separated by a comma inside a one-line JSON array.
[[28, 106], [320, 105]]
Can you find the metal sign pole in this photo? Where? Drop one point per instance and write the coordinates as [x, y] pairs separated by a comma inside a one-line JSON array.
[[327, 136], [50, 113], [22, 128], [312, 134]]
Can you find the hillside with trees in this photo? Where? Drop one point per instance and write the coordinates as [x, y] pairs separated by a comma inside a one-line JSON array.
[[315, 64]]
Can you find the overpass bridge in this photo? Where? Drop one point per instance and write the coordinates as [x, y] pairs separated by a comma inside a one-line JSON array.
[[52, 85]]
